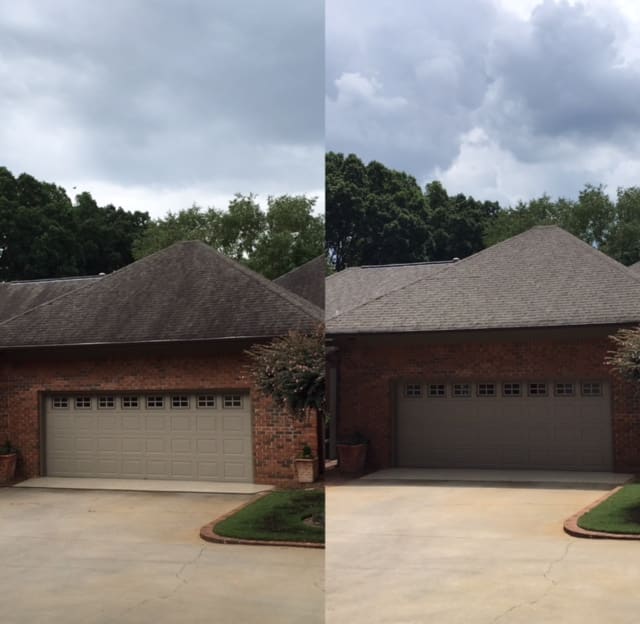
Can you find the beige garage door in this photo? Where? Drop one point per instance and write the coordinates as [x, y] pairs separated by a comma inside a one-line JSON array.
[[538, 425], [161, 436]]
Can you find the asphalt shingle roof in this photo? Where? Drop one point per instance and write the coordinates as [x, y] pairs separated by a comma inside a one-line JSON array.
[[18, 297], [544, 277], [306, 281], [188, 291], [355, 286]]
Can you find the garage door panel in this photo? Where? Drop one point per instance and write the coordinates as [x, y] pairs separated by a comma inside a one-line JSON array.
[[155, 443], [504, 431], [132, 422]]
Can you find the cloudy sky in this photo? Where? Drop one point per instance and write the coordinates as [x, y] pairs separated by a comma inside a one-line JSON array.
[[501, 99], [154, 105]]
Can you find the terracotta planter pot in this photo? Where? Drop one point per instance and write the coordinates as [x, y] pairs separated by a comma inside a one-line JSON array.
[[7, 468], [306, 470], [351, 458]]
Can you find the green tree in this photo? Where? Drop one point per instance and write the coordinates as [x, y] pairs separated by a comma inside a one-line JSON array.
[[293, 235], [374, 214], [623, 239], [43, 234], [458, 223], [287, 235]]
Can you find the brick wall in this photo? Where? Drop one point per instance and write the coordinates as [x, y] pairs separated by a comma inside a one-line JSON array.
[[370, 368], [277, 437]]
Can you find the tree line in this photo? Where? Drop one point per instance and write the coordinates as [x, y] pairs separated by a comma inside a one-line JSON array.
[[46, 234], [378, 215]]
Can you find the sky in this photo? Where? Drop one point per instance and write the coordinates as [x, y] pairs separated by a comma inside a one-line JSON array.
[[158, 104], [500, 99]]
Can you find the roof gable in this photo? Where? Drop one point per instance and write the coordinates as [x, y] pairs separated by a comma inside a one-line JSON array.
[[188, 291], [544, 277]]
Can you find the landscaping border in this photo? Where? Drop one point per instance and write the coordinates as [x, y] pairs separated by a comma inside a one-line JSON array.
[[571, 524], [208, 534]]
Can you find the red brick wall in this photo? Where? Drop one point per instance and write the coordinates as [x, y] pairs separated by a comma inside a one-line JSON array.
[[370, 368], [277, 436]]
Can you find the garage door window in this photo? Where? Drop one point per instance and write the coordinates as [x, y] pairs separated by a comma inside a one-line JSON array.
[[60, 402], [232, 401], [83, 402], [130, 402], [564, 389], [436, 390], [461, 390], [155, 402], [180, 402], [511, 389], [106, 402], [591, 389], [537, 389], [206, 400], [486, 390], [413, 391]]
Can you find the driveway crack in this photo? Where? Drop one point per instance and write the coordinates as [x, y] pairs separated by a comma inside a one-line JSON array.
[[552, 583]]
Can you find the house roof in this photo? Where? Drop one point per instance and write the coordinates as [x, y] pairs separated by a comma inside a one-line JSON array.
[[307, 280], [355, 286], [185, 292], [18, 297], [635, 267], [544, 277]]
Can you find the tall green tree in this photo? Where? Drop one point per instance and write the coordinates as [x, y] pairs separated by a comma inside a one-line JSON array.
[[44, 234], [374, 214], [287, 235]]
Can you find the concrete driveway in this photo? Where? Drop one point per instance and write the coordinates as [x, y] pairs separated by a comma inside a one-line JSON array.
[[416, 552], [97, 557]]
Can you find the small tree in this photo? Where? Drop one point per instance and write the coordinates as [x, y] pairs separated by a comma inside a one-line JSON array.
[[291, 370], [625, 358]]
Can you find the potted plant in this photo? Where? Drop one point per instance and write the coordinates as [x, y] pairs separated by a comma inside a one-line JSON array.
[[8, 456], [352, 454], [306, 466]]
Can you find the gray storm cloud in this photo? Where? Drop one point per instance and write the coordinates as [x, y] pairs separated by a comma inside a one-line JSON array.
[[203, 92], [493, 104]]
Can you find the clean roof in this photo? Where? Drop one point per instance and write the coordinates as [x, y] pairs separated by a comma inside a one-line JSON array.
[[544, 277]]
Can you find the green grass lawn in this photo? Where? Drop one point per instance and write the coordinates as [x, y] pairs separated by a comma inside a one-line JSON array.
[[620, 513], [278, 516]]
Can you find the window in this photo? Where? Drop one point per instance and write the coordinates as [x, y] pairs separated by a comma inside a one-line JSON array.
[[179, 402], [591, 389], [60, 402], [461, 390], [155, 401], [206, 400], [129, 402], [564, 389], [413, 391], [106, 402], [436, 390], [232, 400], [486, 389], [537, 389], [510, 389], [83, 402]]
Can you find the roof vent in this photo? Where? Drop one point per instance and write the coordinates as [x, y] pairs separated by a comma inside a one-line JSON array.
[[455, 259]]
